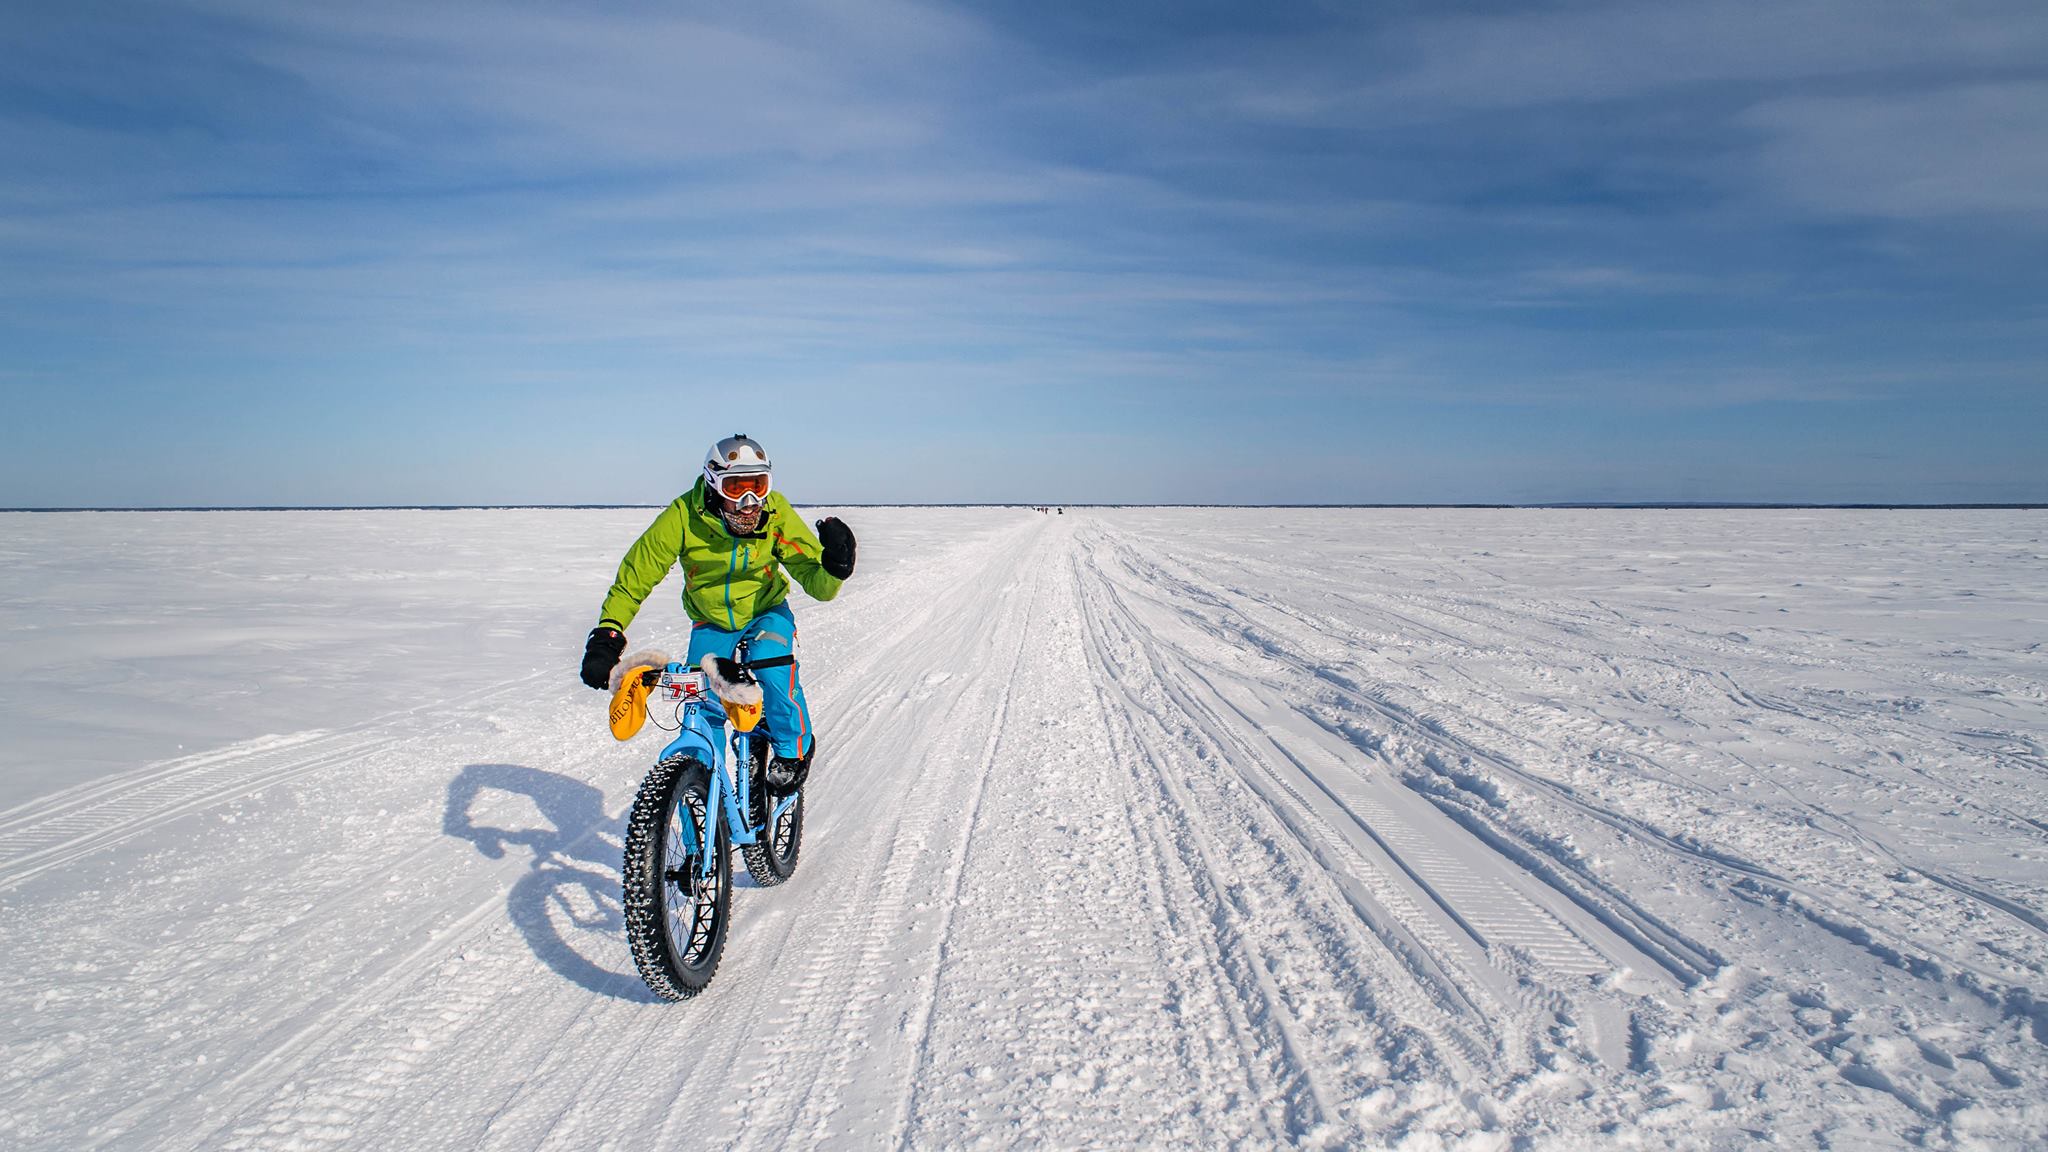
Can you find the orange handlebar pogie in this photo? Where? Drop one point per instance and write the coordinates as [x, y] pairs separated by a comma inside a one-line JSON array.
[[743, 716], [742, 697]]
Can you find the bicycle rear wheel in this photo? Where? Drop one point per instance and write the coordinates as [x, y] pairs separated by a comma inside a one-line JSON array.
[[676, 917], [771, 859]]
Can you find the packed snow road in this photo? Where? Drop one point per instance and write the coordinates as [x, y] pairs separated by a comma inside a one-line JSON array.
[[1130, 828]]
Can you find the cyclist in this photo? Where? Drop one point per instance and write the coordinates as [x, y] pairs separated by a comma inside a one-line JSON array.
[[731, 532]]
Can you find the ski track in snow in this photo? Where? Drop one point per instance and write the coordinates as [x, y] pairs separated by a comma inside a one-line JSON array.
[[1136, 828]]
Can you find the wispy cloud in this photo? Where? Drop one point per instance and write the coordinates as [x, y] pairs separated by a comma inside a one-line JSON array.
[[1297, 217], [1968, 151]]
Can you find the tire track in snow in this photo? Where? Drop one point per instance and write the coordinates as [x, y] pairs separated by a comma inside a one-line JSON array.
[[1618, 928], [1469, 723], [1469, 888], [60, 829], [1322, 995], [1199, 869], [330, 1076], [1692, 657], [829, 1036], [1459, 906], [920, 1023], [1428, 942], [1057, 1014]]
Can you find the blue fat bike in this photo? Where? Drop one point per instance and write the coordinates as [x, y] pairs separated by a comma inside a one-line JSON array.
[[706, 793]]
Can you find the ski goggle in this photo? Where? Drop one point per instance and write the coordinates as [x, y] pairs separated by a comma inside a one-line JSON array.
[[743, 489]]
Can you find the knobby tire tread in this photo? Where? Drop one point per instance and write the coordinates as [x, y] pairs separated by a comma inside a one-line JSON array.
[[766, 867], [642, 884]]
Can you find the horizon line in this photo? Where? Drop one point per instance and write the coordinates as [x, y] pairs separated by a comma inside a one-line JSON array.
[[1610, 505]]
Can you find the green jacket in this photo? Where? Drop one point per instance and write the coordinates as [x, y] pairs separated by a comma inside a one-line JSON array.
[[727, 580]]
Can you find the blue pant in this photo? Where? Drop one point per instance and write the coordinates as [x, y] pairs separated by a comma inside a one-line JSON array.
[[771, 634]]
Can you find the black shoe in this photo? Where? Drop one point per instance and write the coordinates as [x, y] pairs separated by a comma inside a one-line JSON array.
[[786, 775]]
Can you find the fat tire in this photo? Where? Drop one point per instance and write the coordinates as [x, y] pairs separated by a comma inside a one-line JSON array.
[[772, 859], [662, 961]]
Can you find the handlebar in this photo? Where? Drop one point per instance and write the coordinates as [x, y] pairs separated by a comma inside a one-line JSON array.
[[734, 671], [730, 682]]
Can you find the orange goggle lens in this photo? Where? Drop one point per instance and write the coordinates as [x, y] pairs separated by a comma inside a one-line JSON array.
[[734, 487]]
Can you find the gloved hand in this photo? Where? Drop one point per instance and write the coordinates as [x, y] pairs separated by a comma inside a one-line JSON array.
[[600, 653], [838, 541]]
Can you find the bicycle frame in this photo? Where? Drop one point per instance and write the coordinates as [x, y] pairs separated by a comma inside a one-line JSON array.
[[701, 733]]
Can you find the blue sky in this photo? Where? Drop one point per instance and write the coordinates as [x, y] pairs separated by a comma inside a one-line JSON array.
[[427, 253]]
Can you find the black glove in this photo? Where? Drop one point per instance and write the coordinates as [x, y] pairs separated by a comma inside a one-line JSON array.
[[838, 541], [600, 654]]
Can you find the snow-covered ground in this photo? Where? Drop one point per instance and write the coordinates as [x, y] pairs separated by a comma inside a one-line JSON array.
[[1131, 828]]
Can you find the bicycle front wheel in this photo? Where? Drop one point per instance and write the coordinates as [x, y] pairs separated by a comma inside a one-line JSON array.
[[676, 915]]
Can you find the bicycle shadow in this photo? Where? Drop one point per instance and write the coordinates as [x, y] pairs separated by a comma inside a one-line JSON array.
[[574, 877]]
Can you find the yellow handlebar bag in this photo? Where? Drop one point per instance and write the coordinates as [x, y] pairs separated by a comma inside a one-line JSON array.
[[629, 703]]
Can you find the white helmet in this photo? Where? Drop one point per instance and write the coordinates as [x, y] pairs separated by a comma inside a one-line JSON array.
[[738, 471]]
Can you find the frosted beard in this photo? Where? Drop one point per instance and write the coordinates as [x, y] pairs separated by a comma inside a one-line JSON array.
[[744, 522]]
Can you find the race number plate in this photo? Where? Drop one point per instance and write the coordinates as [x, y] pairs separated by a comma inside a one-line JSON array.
[[681, 687]]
